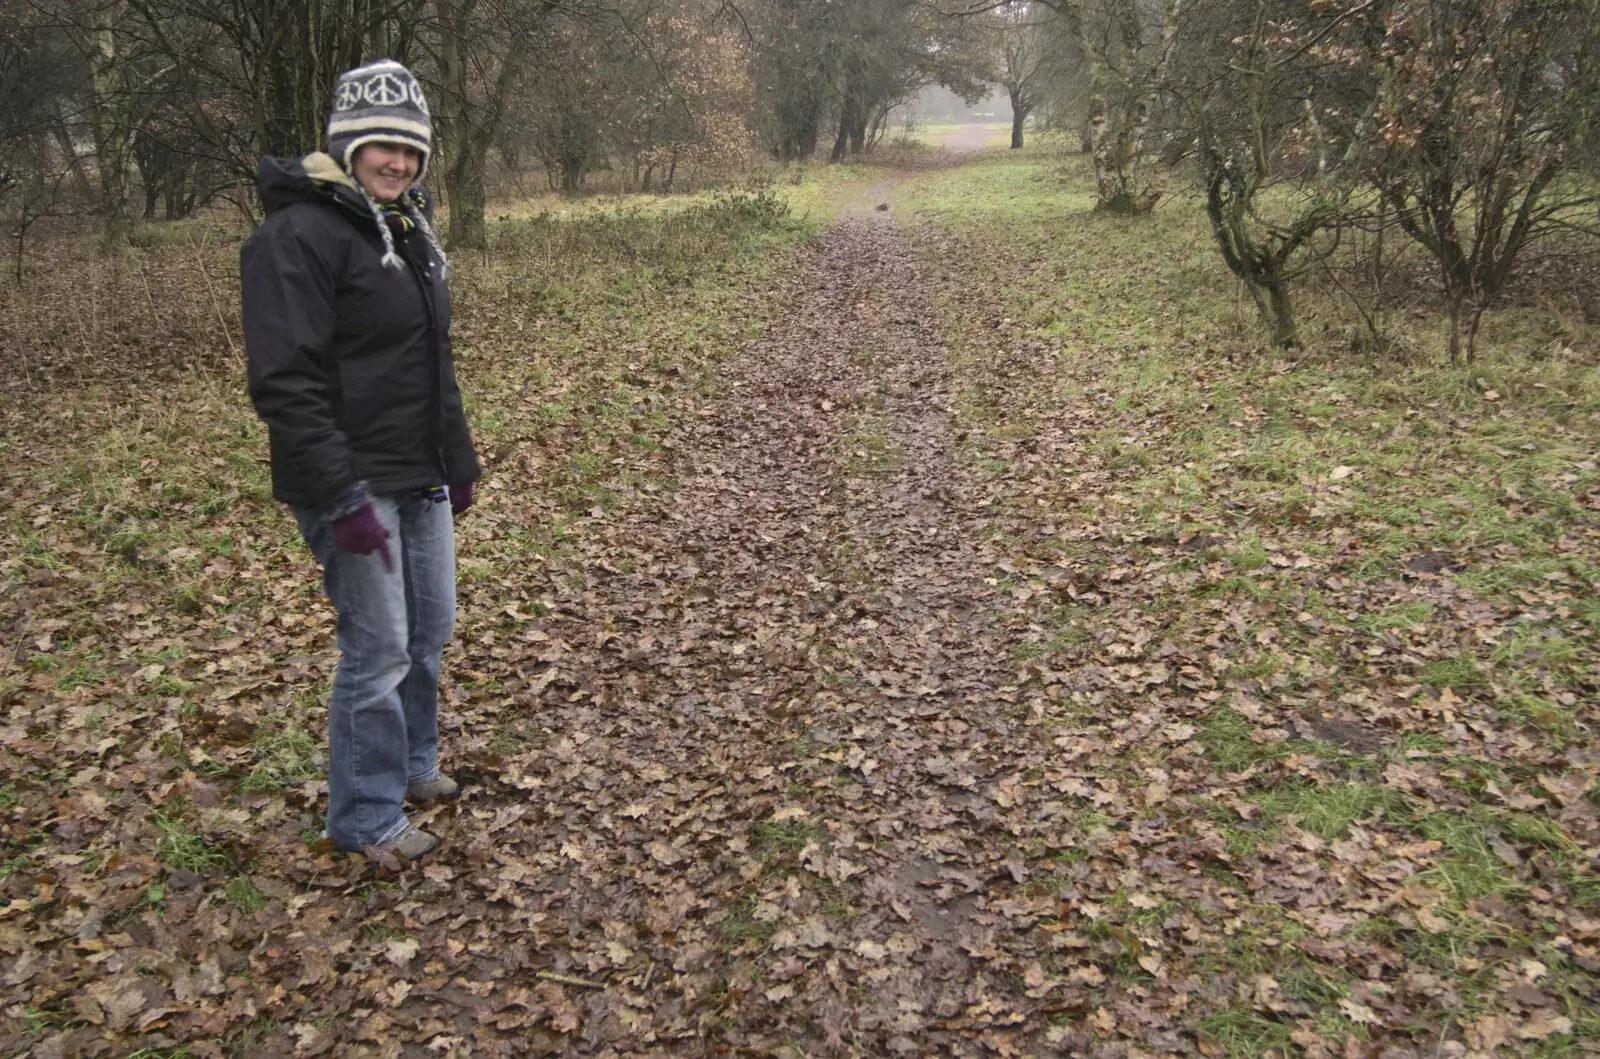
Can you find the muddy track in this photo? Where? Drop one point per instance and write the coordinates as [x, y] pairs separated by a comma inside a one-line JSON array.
[[781, 722]]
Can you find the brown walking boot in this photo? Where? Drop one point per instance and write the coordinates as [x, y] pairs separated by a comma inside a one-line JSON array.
[[439, 789], [411, 844]]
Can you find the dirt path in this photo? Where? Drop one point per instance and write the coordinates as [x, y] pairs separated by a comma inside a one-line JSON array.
[[781, 801]]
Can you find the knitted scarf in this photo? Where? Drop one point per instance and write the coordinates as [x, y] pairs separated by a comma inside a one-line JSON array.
[[400, 221], [406, 216]]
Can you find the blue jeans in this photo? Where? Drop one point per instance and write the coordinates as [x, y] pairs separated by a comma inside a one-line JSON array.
[[383, 716]]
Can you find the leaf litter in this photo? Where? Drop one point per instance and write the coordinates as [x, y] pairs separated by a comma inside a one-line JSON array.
[[860, 715]]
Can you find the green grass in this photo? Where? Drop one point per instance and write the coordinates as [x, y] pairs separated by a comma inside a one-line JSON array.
[[286, 752], [1244, 1034], [1558, 722], [180, 847], [242, 893], [942, 133], [1250, 443], [1455, 673], [11, 866], [1225, 735], [83, 675], [1373, 533], [1330, 809], [741, 925], [786, 837], [1400, 617], [866, 449]]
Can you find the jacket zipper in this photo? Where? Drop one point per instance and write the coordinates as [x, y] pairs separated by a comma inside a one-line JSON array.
[[435, 426]]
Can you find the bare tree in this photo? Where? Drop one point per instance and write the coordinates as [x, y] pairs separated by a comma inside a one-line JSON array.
[[1035, 56], [1274, 180], [819, 64], [480, 51], [257, 78], [1127, 47], [45, 105], [1485, 105], [113, 113]]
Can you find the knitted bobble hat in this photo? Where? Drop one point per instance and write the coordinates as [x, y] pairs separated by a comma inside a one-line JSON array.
[[381, 102]]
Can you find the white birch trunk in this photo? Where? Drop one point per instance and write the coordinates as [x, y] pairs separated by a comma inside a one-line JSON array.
[[111, 117], [1144, 194]]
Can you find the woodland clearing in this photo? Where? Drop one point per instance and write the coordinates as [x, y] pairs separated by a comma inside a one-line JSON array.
[[934, 630]]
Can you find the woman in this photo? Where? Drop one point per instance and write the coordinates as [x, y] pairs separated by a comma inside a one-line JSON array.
[[347, 328]]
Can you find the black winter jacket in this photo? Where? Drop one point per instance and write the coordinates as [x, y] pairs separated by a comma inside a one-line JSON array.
[[349, 361]]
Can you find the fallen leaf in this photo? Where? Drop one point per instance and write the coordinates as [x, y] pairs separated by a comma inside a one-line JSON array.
[[1542, 1025], [400, 951], [1488, 1032], [1357, 1012], [1089, 974]]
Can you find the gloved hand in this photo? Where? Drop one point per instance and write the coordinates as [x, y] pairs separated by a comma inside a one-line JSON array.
[[460, 498], [362, 534]]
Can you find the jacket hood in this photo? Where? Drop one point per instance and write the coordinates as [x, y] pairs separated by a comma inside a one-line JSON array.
[[314, 178], [318, 178]]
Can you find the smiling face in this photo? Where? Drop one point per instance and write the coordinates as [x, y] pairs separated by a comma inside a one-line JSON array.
[[386, 170]]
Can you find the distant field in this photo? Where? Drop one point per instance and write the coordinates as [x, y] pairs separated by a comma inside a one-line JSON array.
[[967, 134]]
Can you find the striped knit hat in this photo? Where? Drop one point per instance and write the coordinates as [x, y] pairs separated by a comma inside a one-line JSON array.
[[381, 102]]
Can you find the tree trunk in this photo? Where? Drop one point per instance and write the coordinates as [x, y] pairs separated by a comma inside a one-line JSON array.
[[1117, 141], [1227, 207], [1277, 311], [63, 138], [1018, 117], [468, 129], [1458, 309], [571, 173], [849, 118], [111, 124], [1111, 193], [468, 230], [467, 197], [841, 142], [1472, 331], [806, 140]]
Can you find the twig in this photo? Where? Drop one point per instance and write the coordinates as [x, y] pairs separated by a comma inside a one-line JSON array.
[[222, 320], [567, 979], [149, 298]]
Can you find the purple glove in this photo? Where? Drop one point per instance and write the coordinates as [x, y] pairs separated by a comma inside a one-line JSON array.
[[460, 498], [362, 534]]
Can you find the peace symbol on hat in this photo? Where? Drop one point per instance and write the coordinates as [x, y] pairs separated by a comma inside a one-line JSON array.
[[386, 90], [349, 96]]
